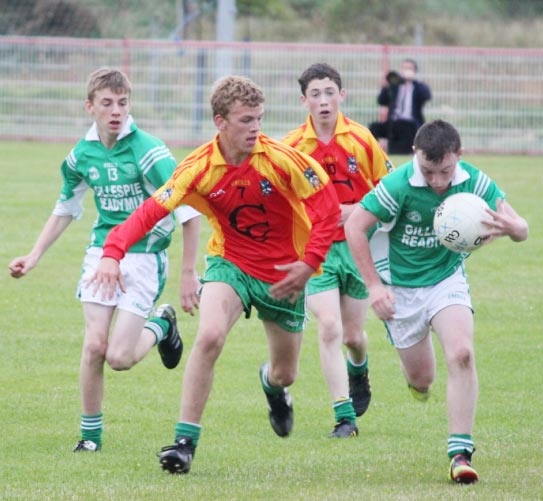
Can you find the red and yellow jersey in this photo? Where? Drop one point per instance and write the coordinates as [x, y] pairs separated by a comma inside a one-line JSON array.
[[353, 159], [279, 206]]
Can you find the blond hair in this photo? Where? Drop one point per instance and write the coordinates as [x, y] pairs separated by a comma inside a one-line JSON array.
[[228, 90]]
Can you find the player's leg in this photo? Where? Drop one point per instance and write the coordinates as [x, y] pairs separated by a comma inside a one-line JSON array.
[[454, 328], [419, 366], [325, 307], [129, 341], [133, 336], [353, 315], [279, 373], [215, 323], [91, 374]]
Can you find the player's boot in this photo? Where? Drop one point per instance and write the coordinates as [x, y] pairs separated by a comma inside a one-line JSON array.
[[177, 458], [281, 412], [86, 446], [360, 392], [461, 470], [344, 429], [171, 347]]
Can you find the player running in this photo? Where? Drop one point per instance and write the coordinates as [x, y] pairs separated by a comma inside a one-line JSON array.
[[416, 285]]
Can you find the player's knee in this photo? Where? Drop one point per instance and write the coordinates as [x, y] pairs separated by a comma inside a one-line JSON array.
[[353, 339], [94, 351], [463, 358], [210, 342], [283, 376], [119, 363]]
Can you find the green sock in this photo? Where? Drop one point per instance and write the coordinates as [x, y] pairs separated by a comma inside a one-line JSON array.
[[343, 409], [91, 428], [159, 327], [190, 430], [459, 444], [357, 369]]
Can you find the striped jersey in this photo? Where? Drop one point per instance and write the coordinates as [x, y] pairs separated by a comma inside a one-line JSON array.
[[277, 207], [404, 247], [353, 159], [120, 178]]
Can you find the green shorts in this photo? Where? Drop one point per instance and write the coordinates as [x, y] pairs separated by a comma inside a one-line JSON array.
[[339, 271], [254, 292]]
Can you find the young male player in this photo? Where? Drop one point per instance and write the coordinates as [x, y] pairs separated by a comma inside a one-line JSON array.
[[417, 285], [273, 212], [122, 165], [355, 162]]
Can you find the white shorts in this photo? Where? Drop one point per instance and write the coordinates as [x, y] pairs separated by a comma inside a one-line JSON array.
[[144, 277], [415, 308]]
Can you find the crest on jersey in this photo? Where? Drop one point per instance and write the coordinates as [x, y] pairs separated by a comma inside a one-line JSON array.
[[167, 193], [312, 177], [94, 174], [352, 165], [414, 216], [265, 187]]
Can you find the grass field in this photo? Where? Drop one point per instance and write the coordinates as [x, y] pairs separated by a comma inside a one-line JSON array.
[[400, 453]]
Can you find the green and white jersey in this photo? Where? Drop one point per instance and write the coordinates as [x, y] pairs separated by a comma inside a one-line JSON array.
[[404, 246], [121, 179]]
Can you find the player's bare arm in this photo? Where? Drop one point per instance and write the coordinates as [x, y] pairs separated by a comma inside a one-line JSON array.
[[291, 286], [189, 286], [106, 278], [53, 228], [380, 297]]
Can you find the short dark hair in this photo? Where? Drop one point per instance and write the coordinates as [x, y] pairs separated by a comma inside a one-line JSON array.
[[319, 71], [437, 138]]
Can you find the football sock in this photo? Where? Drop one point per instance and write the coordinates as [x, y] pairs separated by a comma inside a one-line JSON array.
[[159, 327], [343, 409], [91, 428], [357, 369], [190, 430], [266, 386], [459, 444]]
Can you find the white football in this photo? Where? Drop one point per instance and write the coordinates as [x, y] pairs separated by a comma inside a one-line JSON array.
[[458, 222]]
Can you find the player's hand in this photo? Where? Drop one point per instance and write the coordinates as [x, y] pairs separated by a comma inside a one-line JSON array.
[[382, 301], [189, 292], [20, 266], [505, 222], [106, 277], [291, 286]]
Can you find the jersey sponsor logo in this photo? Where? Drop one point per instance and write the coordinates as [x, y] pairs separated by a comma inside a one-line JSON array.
[[420, 236], [312, 177], [242, 217]]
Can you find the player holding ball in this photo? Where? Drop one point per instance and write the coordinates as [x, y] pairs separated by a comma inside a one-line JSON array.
[[416, 284]]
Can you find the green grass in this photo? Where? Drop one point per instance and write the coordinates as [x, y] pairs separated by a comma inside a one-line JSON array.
[[400, 453]]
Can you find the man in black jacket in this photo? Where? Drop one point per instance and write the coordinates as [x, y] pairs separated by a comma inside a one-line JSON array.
[[401, 100]]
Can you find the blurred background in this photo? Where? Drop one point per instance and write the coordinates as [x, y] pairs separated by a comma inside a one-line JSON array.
[[483, 60]]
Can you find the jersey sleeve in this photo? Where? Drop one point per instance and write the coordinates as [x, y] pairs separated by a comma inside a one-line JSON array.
[[70, 201], [313, 186], [140, 222]]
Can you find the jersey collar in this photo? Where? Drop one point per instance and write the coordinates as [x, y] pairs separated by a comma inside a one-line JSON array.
[[129, 126], [342, 127], [417, 179]]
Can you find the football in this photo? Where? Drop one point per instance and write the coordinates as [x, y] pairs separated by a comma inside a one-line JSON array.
[[458, 222]]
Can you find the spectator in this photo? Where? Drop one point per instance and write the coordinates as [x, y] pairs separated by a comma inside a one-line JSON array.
[[401, 102]]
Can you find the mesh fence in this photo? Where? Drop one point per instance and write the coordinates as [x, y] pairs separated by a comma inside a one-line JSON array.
[[493, 96]]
